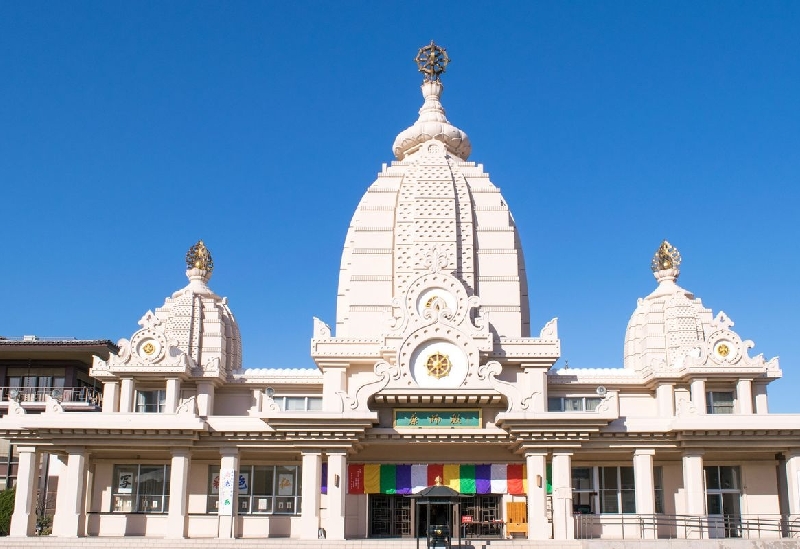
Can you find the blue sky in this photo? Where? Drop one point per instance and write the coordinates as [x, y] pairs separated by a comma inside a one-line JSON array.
[[128, 130]]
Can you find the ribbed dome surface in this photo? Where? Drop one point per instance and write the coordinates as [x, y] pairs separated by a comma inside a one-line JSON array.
[[667, 325]]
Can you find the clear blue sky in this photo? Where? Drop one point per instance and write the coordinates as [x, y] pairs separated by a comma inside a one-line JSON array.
[[128, 130]]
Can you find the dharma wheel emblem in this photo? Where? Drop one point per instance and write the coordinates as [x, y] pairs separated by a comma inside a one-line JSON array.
[[432, 61], [723, 350], [149, 348], [438, 365]]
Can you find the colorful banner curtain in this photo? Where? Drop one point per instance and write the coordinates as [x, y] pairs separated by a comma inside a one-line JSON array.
[[495, 478]]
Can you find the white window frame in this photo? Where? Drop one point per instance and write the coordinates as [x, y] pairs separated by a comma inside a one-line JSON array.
[[130, 499], [583, 403]]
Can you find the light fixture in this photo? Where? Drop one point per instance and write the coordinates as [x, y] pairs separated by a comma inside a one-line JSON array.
[[13, 394], [58, 394], [336, 480], [270, 392], [538, 481]]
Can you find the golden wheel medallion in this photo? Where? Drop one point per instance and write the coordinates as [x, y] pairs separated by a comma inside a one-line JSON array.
[[438, 365], [723, 350], [149, 348]]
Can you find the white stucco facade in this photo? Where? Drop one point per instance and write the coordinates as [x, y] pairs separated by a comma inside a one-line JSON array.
[[431, 373]]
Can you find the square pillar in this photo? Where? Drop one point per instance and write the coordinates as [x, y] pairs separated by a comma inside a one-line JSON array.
[[644, 486], [173, 395], [337, 487], [698, 390], [694, 488], [563, 522], [110, 396], [744, 396], [126, 395], [228, 492], [793, 482], [71, 496], [23, 521], [205, 398], [538, 525], [178, 488], [760, 391], [312, 475], [665, 396]]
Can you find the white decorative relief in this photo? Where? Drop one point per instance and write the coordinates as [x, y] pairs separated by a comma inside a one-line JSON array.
[[358, 398], [321, 330], [516, 400], [550, 330], [14, 408], [188, 406], [52, 406]]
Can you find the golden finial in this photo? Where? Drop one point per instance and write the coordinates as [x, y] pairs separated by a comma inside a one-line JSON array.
[[438, 480], [198, 257], [432, 61], [667, 257]]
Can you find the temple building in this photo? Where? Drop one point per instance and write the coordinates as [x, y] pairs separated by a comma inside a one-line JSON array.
[[431, 375]]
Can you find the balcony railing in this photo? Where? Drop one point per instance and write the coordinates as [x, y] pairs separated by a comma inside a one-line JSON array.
[[635, 526], [66, 395]]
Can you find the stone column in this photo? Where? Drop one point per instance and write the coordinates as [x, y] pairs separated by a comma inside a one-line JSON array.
[[563, 522], [110, 396], [645, 489], [665, 396], [227, 519], [337, 469], [173, 395], [71, 496], [205, 398], [23, 521], [178, 493], [694, 488], [312, 473], [538, 525], [126, 404], [698, 390], [744, 396], [793, 481], [760, 390]]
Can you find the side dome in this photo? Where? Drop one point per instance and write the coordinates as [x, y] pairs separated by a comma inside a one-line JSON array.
[[669, 324], [194, 330]]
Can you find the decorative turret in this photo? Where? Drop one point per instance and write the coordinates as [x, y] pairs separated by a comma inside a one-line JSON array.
[[432, 61], [193, 332]]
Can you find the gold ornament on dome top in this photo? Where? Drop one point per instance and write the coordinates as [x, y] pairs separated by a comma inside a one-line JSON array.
[[432, 61], [723, 350], [667, 257], [198, 257], [438, 365]]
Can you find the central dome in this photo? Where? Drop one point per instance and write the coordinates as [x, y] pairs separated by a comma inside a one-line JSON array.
[[431, 203]]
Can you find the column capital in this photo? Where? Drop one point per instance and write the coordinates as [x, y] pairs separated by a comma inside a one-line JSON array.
[[182, 452], [693, 453], [26, 449], [534, 453], [560, 453], [80, 450], [311, 452], [644, 452], [229, 452]]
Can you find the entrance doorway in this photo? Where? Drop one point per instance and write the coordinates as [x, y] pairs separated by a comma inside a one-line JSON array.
[[389, 516], [440, 515], [481, 516]]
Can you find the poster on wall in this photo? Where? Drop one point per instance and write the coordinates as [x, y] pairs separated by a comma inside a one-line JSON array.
[[125, 482], [244, 483], [226, 491], [285, 484]]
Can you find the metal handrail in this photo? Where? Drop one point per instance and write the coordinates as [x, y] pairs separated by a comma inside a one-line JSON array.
[[69, 395], [638, 526]]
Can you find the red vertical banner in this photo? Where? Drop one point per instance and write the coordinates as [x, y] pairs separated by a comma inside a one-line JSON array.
[[515, 479], [435, 470], [355, 478]]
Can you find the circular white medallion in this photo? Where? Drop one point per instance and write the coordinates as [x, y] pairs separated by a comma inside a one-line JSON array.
[[439, 363]]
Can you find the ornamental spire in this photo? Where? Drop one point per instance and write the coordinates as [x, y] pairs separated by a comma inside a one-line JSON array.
[[432, 61], [667, 257], [198, 257]]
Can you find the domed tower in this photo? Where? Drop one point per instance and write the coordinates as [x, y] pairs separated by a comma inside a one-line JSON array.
[[192, 337], [431, 202], [432, 287]]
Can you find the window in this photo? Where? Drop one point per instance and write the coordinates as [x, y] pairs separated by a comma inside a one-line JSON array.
[[572, 404], [150, 402], [299, 403], [719, 402], [617, 493], [610, 489], [263, 489], [723, 497], [140, 489]]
